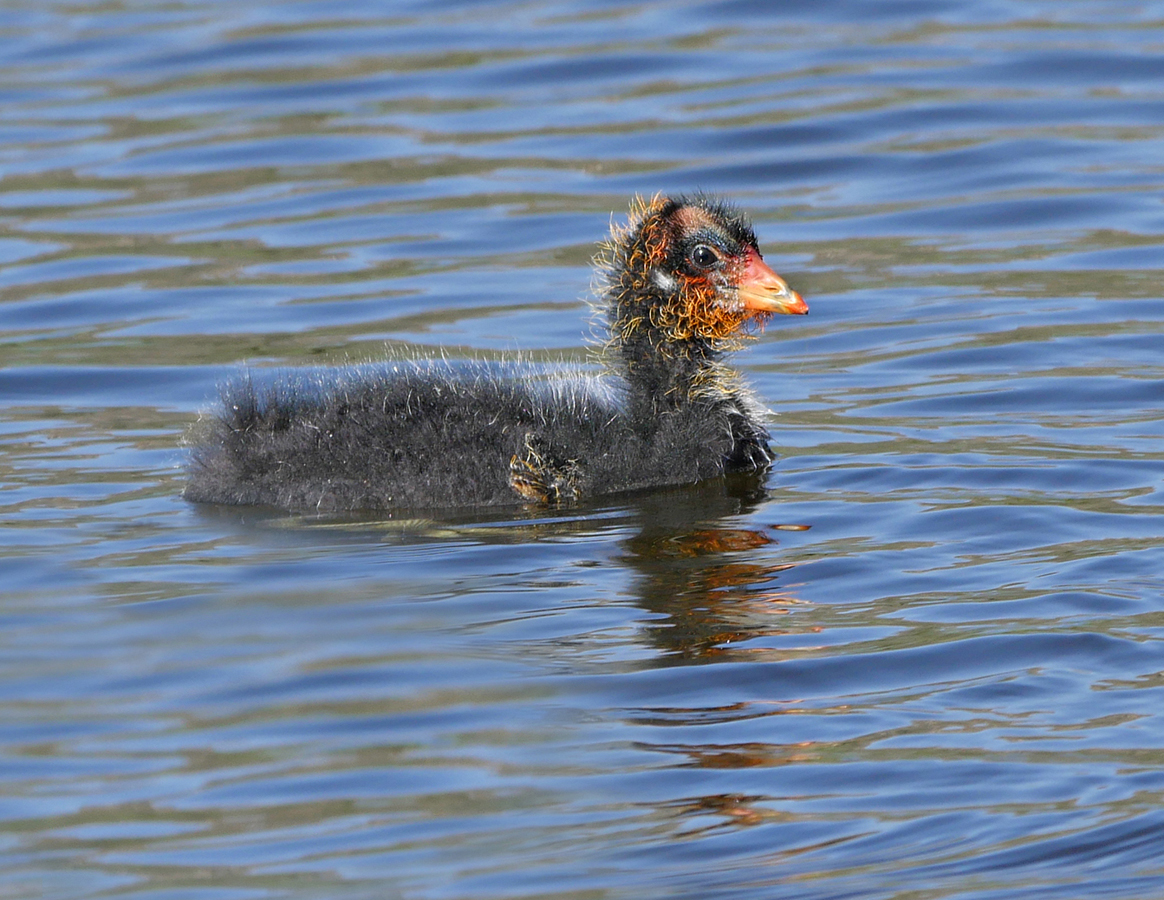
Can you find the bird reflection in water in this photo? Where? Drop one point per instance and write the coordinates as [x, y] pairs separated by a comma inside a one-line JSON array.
[[710, 577]]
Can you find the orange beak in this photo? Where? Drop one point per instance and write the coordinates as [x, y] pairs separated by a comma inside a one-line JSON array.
[[763, 291]]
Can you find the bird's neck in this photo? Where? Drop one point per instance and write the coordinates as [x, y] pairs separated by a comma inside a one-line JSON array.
[[659, 369], [664, 374]]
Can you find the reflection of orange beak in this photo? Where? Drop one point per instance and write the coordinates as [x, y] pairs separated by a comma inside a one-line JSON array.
[[763, 291]]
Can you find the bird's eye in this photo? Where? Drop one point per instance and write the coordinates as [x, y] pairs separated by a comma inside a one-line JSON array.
[[704, 257]]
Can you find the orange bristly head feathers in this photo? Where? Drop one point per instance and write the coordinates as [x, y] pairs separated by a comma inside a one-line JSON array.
[[689, 270]]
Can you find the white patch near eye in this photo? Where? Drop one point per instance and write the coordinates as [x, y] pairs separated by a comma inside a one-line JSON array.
[[664, 280]]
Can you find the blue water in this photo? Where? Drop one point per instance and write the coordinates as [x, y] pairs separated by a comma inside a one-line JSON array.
[[926, 663]]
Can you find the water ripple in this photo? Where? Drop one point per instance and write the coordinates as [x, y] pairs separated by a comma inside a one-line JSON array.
[[923, 660]]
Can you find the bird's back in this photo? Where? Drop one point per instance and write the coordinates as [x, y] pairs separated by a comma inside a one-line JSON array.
[[437, 436]]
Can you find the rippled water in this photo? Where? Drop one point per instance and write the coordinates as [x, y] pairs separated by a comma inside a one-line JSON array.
[[925, 664]]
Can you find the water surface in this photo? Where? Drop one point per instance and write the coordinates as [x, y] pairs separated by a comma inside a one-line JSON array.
[[922, 660]]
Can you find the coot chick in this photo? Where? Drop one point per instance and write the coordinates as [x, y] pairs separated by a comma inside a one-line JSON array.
[[680, 284]]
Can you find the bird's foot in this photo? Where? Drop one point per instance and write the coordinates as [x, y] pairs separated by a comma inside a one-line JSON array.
[[540, 477], [750, 456]]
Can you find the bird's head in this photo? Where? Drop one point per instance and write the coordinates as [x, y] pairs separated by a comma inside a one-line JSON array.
[[686, 275]]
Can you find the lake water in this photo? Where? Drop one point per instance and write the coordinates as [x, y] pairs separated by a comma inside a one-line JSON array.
[[928, 662]]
